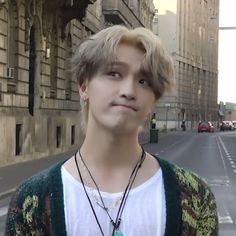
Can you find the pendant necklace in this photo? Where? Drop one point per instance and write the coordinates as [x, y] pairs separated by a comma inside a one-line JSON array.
[[115, 223], [109, 207]]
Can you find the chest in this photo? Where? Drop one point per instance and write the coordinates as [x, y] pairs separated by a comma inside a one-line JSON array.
[[144, 212]]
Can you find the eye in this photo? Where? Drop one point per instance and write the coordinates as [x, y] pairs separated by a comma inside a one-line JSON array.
[[114, 74], [144, 82]]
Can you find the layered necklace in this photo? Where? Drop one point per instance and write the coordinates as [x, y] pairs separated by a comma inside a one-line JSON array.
[[117, 221]]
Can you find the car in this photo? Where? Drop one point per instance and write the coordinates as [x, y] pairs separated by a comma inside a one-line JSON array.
[[234, 124], [205, 127], [226, 125], [223, 126]]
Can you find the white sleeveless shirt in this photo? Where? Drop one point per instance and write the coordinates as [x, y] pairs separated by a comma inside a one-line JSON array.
[[144, 212]]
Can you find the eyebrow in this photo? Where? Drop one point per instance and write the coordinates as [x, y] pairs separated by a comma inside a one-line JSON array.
[[117, 63], [145, 72], [141, 70]]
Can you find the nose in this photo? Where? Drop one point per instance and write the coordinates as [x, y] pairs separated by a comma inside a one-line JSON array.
[[127, 89]]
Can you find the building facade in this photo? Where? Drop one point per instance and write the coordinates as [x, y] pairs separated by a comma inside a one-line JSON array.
[[39, 100], [227, 111], [189, 29]]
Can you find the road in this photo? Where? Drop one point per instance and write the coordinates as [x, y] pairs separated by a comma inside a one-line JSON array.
[[212, 156]]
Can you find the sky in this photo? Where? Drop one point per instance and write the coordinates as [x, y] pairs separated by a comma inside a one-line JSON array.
[[227, 52]]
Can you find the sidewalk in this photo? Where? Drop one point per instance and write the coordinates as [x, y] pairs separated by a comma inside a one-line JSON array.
[[11, 176]]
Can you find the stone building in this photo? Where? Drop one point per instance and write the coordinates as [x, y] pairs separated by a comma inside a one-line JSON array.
[[39, 101], [229, 112], [189, 29]]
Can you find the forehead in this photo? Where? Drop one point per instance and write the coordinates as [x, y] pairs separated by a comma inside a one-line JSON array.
[[129, 56], [129, 50]]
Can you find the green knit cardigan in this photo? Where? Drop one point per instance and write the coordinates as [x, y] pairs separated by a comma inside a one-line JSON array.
[[37, 206]]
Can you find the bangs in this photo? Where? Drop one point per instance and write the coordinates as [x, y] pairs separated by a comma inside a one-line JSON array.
[[97, 53]]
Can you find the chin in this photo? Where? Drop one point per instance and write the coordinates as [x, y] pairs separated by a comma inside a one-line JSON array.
[[119, 125], [123, 128]]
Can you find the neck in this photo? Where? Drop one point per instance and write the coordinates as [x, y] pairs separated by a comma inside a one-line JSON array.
[[106, 149]]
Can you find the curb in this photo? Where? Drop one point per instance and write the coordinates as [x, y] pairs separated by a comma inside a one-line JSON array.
[[7, 193]]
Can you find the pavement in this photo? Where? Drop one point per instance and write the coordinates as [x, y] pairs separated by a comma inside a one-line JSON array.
[[12, 175]]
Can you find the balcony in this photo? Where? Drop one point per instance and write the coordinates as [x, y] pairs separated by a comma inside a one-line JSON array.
[[66, 9], [2, 3], [119, 12]]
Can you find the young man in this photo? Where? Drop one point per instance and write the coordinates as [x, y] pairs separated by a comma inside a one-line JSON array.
[[111, 186]]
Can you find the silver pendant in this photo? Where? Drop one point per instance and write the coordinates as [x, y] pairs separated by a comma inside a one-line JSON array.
[[118, 233]]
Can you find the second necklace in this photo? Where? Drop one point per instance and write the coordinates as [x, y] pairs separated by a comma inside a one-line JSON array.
[[115, 223]]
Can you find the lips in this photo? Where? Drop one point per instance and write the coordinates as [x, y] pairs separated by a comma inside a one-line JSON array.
[[125, 105]]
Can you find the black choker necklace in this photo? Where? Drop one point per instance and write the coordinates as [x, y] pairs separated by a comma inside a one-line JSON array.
[[116, 223]]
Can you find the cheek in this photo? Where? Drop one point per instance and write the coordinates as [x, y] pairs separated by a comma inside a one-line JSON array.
[[150, 103], [147, 111], [98, 102]]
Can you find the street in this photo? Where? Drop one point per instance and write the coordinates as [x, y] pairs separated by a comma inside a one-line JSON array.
[[211, 155]]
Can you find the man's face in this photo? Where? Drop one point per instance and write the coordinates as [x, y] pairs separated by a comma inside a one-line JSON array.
[[119, 96]]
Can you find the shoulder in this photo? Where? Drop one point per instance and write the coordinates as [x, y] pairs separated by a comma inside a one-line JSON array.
[[190, 187], [197, 202], [185, 179], [37, 185], [26, 212], [199, 209], [191, 184]]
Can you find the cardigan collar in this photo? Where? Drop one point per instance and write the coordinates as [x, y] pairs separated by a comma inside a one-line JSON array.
[[173, 206]]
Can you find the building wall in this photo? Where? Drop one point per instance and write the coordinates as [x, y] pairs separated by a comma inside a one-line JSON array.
[[39, 100], [132, 13], [230, 115], [230, 111], [45, 128], [189, 29]]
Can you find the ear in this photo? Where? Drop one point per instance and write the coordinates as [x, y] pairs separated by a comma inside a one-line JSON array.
[[83, 90]]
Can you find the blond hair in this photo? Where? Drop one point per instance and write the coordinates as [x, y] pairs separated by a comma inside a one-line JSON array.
[[99, 50]]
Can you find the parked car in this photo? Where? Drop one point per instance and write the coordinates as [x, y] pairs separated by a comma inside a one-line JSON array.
[[205, 127], [234, 124], [226, 125]]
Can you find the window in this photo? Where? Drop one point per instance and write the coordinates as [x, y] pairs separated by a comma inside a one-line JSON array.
[[72, 135], [11, 87], [58, 136], [0, 92], [18, 135], [13, 31]]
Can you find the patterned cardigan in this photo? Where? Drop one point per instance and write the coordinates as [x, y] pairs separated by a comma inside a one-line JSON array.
[[37, 207]]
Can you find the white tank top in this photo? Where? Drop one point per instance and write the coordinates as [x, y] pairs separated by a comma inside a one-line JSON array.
[[144, 212]]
